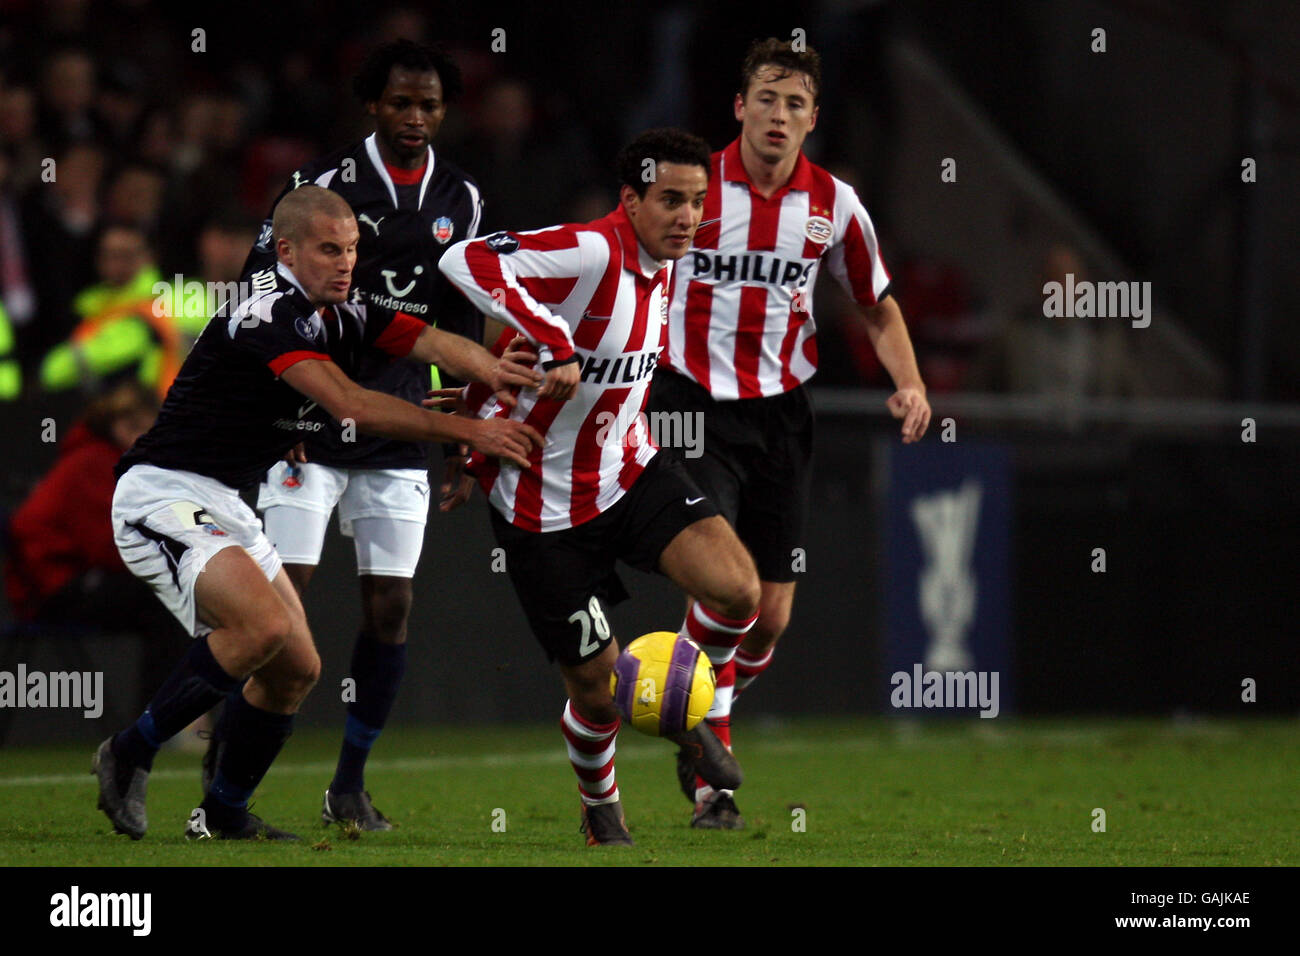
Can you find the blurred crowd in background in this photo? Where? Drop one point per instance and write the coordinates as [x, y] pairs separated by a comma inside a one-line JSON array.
[[135, 151]]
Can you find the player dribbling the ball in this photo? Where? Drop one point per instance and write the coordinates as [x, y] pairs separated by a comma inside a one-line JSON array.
[[591, 299]]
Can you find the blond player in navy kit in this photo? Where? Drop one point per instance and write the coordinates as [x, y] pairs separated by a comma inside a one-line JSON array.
[[242, 399]]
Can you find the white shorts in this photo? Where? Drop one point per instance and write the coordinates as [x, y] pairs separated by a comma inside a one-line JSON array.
[[383, 510], [168, 524]]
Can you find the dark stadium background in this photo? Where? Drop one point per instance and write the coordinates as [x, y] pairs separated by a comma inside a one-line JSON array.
[[1131, 158]]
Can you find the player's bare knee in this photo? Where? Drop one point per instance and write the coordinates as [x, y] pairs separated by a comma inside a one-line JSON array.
[[290, 683], [265, 634], [738, 596], [388, 621], [302, 678], [387, 608]]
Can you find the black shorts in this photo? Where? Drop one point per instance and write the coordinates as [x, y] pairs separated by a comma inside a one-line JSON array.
[[566, 579], [755, 463]]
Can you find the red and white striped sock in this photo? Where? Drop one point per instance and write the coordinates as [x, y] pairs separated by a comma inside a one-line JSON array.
[[718, 637], [739, 673], [721, 724], [591, 751], [722, 727], [719, 715], [749, 667]]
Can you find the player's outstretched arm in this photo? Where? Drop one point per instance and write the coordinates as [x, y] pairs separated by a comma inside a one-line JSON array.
[[854, 261], [378, 414], [888, 333], [469, 361], [506, 276]]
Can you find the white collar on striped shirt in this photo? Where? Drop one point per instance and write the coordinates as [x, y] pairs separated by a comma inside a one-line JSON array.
[[642, 262], [649, 266]]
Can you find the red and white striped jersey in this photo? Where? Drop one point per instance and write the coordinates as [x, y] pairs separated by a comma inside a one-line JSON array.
[[589, 290], [740, 319]]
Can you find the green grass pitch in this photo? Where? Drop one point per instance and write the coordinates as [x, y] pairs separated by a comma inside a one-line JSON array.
[[870, 791]]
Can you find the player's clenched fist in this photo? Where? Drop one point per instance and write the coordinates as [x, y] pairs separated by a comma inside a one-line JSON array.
[[503, 438]]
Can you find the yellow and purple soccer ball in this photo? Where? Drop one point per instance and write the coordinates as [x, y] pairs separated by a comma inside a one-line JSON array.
[[663, 684]]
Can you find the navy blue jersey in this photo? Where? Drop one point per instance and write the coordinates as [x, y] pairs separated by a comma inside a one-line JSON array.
[[228, 414], [404, 230]]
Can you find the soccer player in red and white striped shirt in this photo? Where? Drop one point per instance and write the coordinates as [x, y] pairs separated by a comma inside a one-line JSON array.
[[592, 300], [742, 341]]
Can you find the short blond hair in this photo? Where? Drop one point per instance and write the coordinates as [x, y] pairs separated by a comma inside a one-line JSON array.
[[293, 213]]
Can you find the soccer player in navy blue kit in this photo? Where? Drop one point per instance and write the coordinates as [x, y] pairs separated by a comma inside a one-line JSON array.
[[244, 397], [410, 204]]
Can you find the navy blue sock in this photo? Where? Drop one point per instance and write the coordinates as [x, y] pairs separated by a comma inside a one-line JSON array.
[[253, 738], [377, 668], [196, 685], [221, 728]]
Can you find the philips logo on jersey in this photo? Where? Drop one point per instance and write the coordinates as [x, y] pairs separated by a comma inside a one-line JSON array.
[[754, 267], [621, 369]]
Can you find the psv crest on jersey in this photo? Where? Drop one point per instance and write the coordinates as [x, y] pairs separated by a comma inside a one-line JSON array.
[[442, 229], [818, 229]]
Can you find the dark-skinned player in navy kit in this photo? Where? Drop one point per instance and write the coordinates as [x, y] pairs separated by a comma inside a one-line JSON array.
[[411, 204]]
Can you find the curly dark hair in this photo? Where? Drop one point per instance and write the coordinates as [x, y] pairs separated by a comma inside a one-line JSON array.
[[663, 145], [778, 53], [371, 79]]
